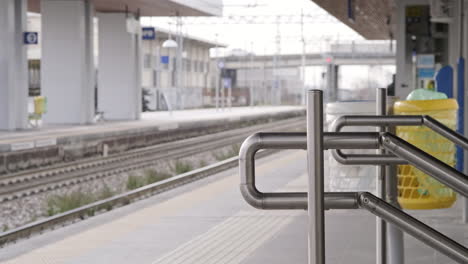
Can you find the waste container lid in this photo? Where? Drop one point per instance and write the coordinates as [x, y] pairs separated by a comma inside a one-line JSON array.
[[425, 105], [351, 107]]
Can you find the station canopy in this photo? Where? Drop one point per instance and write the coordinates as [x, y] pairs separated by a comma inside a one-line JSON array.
[[370, 18], [153, 7]]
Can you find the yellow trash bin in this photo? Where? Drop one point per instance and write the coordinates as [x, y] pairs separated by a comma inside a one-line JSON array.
[[417, 190], [40, 105]]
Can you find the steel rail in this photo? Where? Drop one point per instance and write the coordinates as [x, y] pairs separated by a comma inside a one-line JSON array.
[[135, 160], [414, 227], [381, 184], [390, 121], [118, 200], [421, 160], [289, 200], [426, 163], [19, 177], [375, 205]]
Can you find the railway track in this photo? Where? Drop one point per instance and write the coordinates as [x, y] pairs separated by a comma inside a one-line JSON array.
[[28, 183], [108, 204]]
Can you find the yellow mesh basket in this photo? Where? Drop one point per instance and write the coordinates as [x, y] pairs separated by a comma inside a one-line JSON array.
[[417, 190], [40, 105]]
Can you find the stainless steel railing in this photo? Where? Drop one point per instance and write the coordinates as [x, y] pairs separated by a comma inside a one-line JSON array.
[[292, 200], [315, 141], [389, 121]]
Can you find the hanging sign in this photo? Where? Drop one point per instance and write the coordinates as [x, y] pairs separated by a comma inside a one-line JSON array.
[[425, 61], [30, 38], [148, 33]]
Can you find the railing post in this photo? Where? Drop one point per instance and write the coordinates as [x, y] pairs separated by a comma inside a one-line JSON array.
[[392, 236], [315, 171], [381, 229]]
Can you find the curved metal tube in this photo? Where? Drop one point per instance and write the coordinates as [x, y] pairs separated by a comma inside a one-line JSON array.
[[445, 131], [426, 163], [404, 120], [351, 140], [298, 200], [294, 200], [373, 120], [290, 200], [414, 227], [341, 200], [366, 159]]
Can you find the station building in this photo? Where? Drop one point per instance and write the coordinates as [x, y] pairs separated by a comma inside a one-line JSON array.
[[197, 77], [67, 71], [159, 69]]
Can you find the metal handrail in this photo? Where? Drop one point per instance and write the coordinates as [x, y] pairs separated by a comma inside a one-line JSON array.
[[291, 200], [404, 152], [414, 227], [407, 120], [426, 163], [340, 200], [316, 200]]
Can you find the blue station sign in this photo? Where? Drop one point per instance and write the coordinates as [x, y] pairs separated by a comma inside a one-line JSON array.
[[30, 38], [148, 33]]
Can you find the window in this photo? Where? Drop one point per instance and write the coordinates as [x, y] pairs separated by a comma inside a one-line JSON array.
[[147, 61], [155, 78], [188, 65], [202, 67], [156, 63], [165, 62]]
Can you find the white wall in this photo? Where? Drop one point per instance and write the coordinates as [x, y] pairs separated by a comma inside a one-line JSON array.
[[119, 78], [67, 66], [13, 65]]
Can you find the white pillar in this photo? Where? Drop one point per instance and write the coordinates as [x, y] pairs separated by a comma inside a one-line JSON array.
[[67, 67], [13, 65], [119, 78]]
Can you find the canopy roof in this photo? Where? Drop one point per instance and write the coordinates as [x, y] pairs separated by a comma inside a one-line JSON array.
[[153, 7], [162, 33], [372, 18]]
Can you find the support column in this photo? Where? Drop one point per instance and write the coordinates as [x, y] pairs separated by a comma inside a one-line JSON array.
[[119, 79], [67, 68], [13, 65], [332, 82]]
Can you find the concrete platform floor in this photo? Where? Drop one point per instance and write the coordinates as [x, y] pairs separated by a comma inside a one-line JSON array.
[[51, 134], [147, 118], [208, 222]]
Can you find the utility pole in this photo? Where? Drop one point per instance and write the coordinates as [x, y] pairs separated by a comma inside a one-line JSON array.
[[275, 88], [229, 87], [178, 65], [278, 52], [264, 83], [217, 74], [220, 82], [223, 94], [183, 66], [303, 59], [252, 100]]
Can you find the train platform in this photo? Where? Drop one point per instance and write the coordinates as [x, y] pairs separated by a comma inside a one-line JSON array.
[[46, 145], [17, 140], [207, 221]]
